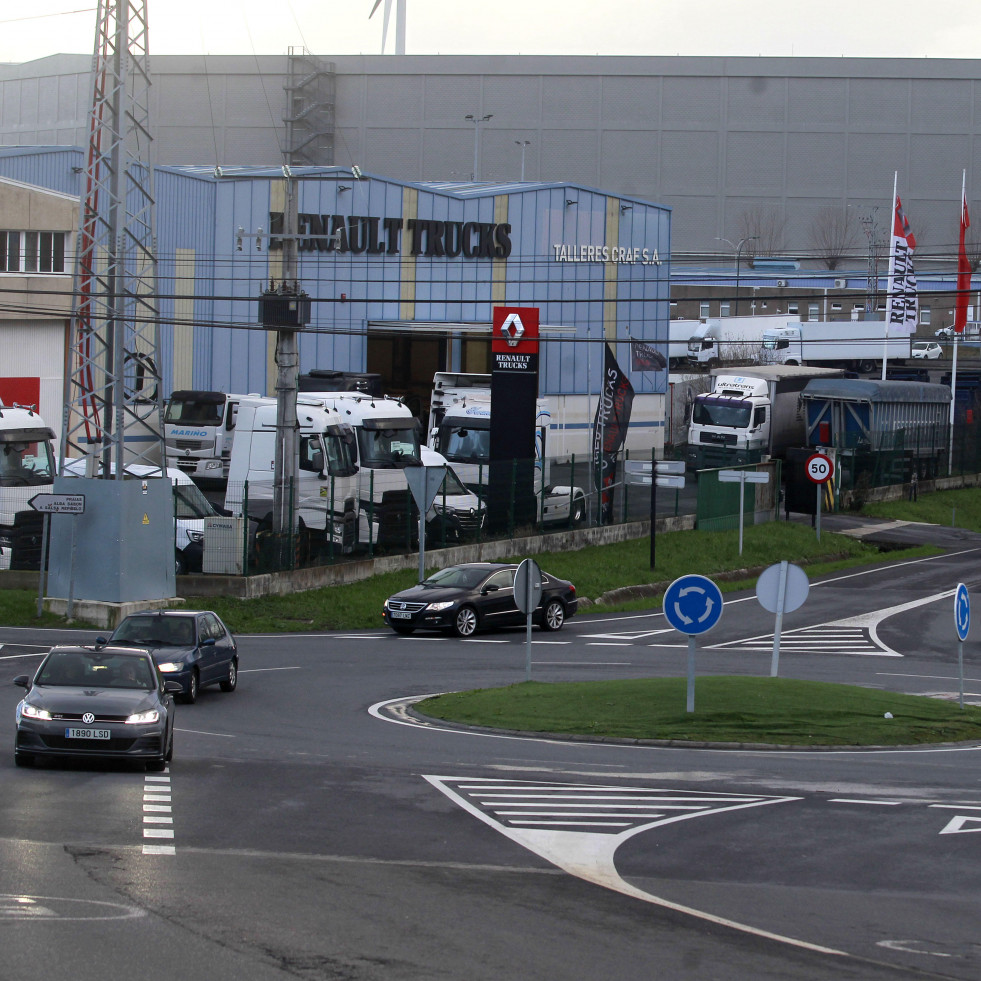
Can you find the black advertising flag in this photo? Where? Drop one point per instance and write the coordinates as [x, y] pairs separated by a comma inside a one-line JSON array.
[[646, 357], [610, 430]]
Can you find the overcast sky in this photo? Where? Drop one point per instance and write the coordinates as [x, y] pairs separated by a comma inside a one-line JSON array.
[[868, 28]]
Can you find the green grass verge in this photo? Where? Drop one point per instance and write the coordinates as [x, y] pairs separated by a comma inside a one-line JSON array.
[[774, 711], [959, 508]]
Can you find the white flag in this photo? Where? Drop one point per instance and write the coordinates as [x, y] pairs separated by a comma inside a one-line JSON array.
[[902, 307]]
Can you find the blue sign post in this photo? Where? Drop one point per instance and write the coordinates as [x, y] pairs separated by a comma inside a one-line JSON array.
[[962, 621], [692, 605]]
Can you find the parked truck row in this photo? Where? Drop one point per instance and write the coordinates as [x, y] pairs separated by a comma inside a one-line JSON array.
[[773, 408]]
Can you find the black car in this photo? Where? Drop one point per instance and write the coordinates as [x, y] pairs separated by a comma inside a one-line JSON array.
[[191, 647], [96, 701], [465, 598]]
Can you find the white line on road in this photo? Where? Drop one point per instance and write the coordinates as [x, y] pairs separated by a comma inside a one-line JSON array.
[[878, 803], [201, 732], [292, 667]]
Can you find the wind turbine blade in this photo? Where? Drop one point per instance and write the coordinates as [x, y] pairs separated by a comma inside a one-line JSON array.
[[400, 27], [388, 17], [373, 9]]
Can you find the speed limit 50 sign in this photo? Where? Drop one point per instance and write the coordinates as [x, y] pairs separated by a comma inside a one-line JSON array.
[[819, 468]]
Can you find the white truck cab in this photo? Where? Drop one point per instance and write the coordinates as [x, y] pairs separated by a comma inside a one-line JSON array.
[[386, 442], [199, 427], [27, 467], [459, 429]]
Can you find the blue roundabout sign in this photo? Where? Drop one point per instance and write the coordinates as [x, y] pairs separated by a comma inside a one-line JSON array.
[[692, 604], [962, 611]]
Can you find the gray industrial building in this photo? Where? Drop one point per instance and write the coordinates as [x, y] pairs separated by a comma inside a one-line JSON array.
[[732, 145]]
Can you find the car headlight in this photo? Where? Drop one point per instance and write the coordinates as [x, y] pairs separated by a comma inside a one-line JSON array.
[[143, 718], [195, 536], [443, 509], [169, 667], [29, 711], [436, 607]]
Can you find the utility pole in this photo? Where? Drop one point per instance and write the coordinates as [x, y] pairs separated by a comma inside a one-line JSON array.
[[286, 309]]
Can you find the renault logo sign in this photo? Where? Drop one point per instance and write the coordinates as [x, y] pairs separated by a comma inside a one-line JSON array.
[[513, 329]]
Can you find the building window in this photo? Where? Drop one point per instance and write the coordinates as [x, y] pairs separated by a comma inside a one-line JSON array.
[[703, 309], [836, 307], [32, 252], [792, 308], [813, 311], [924, 315], [724, 309]]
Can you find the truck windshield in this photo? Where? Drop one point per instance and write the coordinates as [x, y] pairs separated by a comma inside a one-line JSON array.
[[340, 454], [191, 503], [463, 444], [26, 464], [204, 413], [775, 343], [387, 449], [721, 412]]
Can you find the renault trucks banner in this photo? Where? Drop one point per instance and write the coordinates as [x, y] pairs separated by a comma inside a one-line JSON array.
[[610, 430], [644, 356], [902, 301], [514, 405]]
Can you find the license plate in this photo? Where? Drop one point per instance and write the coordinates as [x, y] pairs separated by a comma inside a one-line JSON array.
[[88, 734], [399, 615]]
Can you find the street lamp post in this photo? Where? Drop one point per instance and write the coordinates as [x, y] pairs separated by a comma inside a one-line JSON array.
[[524, 144], [739, 249], [476, 120]]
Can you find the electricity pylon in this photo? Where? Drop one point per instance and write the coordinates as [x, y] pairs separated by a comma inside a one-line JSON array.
[[113, 409]]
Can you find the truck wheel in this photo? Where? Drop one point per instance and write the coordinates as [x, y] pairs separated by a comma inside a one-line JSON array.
[[866, 366]]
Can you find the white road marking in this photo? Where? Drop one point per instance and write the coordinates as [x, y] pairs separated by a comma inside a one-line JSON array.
[[291, 667], [877, 803], [482, 640], [203, 732], [958, 825], [589, 855], [606, 643], [157, 811]]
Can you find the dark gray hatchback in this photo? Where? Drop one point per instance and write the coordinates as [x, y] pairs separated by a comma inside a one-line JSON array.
[[96, 702]]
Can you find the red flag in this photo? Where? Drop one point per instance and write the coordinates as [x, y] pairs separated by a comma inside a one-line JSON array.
[[901, 227], [963, 271]]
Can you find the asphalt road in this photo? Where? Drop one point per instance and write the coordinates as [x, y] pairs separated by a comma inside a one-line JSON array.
[[310, 827]]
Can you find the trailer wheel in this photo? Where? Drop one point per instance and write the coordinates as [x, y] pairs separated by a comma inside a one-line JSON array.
[[866, 366]]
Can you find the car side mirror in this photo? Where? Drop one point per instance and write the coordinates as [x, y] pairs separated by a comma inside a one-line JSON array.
[[208, 642], [489, 589], [101, 641], [22, 681]]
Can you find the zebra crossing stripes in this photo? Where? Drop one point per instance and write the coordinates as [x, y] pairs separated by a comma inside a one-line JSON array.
[[158, 822], [548, 805], [827, 638]]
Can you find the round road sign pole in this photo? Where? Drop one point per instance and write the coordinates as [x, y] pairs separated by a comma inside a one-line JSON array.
[[781, 599], [817, 513], [690, 704], [960, 672]]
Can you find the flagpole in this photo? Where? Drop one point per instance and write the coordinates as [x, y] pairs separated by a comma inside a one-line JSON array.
[[885, 320], [957, 303]]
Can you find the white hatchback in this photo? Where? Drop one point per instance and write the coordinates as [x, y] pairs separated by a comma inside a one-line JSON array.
[[929, 350]]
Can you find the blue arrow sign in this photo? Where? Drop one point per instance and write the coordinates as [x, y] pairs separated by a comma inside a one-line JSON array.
[[692, 604], [962, 611]]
